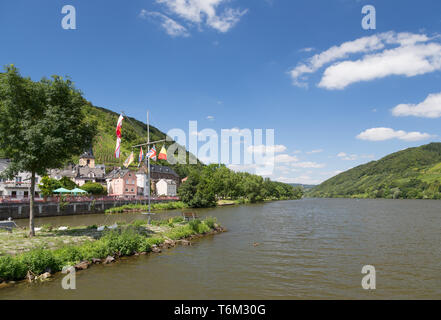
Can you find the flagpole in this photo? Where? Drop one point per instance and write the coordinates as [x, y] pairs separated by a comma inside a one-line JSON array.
[[148, 162]]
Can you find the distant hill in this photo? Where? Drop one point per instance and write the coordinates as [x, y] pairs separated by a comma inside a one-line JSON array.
[[414, 173], [304, 186]]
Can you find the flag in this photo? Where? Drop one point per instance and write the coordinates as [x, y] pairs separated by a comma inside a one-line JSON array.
[[152, 153], [141, 156], [118, 136], [163, 154], [118, 148], [129, 160]]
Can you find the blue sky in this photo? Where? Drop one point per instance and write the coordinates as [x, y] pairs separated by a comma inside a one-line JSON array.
[[337, 95]]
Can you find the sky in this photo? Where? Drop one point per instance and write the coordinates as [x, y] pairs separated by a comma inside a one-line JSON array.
[[337, 95]]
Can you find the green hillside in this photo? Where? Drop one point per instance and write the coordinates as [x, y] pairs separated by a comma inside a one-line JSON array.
[[414, 173], [134, 132]]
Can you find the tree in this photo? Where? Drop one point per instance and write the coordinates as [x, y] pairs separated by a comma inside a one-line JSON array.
[[48, 185], [94, 188], [42, 125]]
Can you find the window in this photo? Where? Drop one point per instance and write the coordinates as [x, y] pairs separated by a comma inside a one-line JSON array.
[[18, 179], [26, 194], [131, 190], [127, 190], [14, 194]]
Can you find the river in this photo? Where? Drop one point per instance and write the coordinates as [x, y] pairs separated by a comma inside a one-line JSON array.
[[307, 249]]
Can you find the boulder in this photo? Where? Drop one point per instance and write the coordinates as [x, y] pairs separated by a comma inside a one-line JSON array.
[[185, 242], [83, 265], [30, 276], [156, 249], [109, 259], [96, 261], [45, 276]]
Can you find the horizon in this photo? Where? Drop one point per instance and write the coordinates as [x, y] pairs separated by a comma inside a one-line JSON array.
[[248, 64]]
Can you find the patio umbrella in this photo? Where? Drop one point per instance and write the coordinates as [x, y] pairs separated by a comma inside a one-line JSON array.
[[77, 190], [61, 190]]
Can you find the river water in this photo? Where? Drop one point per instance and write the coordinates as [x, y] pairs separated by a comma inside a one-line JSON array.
[[308, 249]]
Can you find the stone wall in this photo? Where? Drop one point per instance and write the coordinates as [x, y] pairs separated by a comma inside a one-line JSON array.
[[50, 209]]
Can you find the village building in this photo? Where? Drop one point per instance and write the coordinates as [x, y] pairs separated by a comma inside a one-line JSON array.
[[18, 187], [85, 171], [157, 173], [122, 182], [166, 187]]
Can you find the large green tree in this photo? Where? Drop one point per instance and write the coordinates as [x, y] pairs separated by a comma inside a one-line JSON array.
[[42, 125]]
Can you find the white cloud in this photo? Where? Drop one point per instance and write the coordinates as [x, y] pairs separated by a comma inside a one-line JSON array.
[[413, 54], [170, 26], [406, 61], [266, 149], [429, 108], [303, 179], [210, 117], [205, 11], [306, 49], [285, 158], [381, 134], [307, 164], [314, 151]]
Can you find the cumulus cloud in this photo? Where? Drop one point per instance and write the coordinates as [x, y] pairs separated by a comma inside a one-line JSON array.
[[303, 179], [285, 158], [385, 54], [429, 108], [266, 149], [170, 26], [314, 151], [307, 164], [381, 134], [207, 12]]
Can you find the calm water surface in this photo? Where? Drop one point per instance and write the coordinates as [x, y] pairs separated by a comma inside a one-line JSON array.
[[309, 249]]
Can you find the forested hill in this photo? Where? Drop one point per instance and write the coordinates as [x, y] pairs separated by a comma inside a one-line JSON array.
[[414, 173], [134, 132]]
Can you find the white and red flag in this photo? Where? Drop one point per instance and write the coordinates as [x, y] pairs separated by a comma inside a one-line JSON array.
[[118, 136]]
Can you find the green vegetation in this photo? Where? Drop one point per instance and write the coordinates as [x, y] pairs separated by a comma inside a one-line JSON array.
[[124, 241], [154, 206], [414, 173], [94, 188], [206, 186], [42, 125]]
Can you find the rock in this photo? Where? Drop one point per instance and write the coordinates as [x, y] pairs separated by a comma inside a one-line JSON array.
[[44, 276], [96, 261], [170, 243], [185, 242], [83, 265], [109, 259], [143, 253], [156, 249], [30, 276]]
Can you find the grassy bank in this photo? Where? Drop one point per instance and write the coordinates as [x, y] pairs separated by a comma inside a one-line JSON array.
[[142, 208], [126, 240]]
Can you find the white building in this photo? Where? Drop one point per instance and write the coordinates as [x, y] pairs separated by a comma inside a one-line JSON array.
[[142, 183], [19, 186], [166, 187]]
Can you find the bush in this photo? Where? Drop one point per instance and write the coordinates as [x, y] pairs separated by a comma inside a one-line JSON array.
[[210, 222], [11, 268], [39, 260], [194, 225]]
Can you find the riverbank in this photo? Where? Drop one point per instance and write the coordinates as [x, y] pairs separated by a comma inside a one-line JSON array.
[[48, 252]]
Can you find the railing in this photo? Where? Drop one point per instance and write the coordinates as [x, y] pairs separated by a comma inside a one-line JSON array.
[[9, 199]]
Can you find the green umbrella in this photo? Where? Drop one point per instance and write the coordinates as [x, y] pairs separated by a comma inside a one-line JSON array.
[[61, 190], [77, 190]]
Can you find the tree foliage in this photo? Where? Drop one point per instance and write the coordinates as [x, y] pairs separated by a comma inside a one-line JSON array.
[[215, 182]]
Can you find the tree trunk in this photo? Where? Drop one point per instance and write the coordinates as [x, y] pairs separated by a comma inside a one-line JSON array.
[[31, 206]]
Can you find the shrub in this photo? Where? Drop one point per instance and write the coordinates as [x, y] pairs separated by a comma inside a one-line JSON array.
[[210, 222], [39, 260], [194, 225], [11, 268]]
